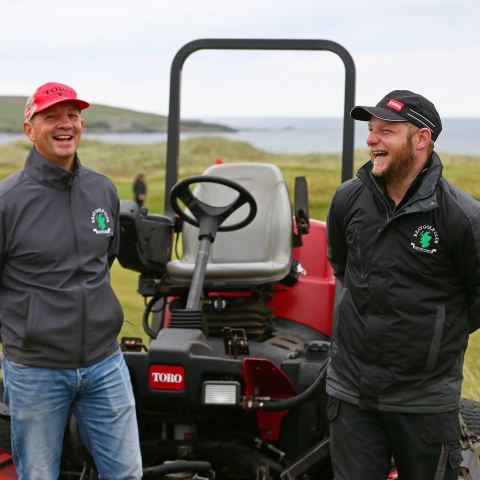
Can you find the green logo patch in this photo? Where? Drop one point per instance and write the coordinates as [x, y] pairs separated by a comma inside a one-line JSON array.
[[423, 238], [100, 219]]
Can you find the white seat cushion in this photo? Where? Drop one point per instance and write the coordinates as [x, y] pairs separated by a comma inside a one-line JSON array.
[[258, 253]]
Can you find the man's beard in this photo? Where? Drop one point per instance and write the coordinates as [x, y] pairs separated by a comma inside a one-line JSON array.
[[401, 161]]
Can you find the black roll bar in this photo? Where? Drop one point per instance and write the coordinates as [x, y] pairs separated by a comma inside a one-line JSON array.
[[173, 136]]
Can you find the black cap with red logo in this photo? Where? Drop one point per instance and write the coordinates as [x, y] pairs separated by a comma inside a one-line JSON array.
[[401, 106]]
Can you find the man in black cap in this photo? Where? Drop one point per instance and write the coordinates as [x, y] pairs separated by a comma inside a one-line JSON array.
[[404, 244]]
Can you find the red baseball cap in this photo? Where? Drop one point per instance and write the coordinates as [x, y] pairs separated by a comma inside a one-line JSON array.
[[50, 94]]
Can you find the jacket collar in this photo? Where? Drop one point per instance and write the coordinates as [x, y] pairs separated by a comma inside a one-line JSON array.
[[46, 173], [422, 186]]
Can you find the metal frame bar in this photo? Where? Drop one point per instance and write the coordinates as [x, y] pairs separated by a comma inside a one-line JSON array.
[[308, 460], [173, 137]]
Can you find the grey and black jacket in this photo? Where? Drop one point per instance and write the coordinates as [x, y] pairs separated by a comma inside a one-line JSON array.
[[58, 239], [410, 293]]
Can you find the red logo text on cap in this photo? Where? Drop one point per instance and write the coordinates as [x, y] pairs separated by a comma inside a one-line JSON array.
[[167, 377], [395, 104], [59, 90]]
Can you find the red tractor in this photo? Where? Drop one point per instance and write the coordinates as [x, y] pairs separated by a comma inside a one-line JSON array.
[[232, 381], [234, 371]]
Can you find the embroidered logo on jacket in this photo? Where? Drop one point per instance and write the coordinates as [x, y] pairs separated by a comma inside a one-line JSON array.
[[426, 237], [100, 219]]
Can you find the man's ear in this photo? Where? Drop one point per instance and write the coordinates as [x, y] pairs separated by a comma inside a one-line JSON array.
[[28, 129], [424, 138]]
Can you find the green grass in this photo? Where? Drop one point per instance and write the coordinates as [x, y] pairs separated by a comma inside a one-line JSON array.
[[11, 113], [123, 162], [471, 372]]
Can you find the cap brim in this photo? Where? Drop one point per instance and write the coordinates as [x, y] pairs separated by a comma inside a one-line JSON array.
[[365, 113], [82, 105]]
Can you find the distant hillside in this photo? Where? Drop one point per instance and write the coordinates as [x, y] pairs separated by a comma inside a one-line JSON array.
[[101, 118]]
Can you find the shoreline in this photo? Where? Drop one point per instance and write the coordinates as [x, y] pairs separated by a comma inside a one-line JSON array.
[[284, 135]]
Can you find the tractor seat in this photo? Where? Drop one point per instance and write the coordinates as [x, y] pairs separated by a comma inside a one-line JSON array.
[[259, 253]]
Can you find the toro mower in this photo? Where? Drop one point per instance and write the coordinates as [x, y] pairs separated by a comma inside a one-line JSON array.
[[231, 383], [239, 325]]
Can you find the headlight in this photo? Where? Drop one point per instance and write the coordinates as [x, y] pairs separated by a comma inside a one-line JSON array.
[[221, 393]]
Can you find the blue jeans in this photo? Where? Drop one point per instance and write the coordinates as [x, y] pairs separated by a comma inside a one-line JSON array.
[[100, 397]]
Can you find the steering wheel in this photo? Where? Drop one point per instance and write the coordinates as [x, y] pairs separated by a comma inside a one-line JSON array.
[[207, 217]]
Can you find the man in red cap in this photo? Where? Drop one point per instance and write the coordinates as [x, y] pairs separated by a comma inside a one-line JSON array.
[[404, 244], [59, 235]]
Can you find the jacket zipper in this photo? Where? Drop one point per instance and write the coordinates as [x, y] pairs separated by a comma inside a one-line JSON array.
[[76, 248], [396, 215], [389, 218]]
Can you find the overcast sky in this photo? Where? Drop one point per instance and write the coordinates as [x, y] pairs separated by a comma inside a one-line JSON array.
[[119, 53]]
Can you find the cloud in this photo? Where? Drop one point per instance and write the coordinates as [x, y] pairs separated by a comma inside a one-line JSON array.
[[119, 52], [447, 77], [268, 84]]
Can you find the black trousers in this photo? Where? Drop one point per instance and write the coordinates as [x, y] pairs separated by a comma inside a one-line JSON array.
[[362, 442]]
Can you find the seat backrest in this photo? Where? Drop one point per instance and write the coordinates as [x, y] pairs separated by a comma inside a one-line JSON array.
[[267, 241]]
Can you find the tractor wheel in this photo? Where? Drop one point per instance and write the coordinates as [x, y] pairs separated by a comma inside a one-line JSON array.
[[470, 410], [5, 435]]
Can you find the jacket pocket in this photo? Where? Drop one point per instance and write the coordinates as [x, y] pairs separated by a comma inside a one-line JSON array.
[[104, 313], [455, 456], [436, 340], [336, 320], [354, 251], [441, 427], [30, 323], [352, 236], [116, 305], [332, 408]]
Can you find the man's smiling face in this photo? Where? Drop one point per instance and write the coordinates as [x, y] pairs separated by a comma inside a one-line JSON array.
[[391, 149], [56, 132]]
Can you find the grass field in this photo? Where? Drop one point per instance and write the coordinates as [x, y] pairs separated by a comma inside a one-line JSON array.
[[122, 162]]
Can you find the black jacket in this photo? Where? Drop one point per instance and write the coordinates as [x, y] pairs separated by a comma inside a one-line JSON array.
[[58, 238], [410, 291], [139, 188]]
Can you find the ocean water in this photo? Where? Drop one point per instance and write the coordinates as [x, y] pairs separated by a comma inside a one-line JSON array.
[[301, 135], [305, 135]]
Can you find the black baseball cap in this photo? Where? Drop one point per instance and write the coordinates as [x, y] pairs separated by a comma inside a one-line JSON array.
[[401, 106]]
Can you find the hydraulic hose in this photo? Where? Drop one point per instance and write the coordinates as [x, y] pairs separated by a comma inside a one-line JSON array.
[[312, 392], [176, 467], [146, 314]]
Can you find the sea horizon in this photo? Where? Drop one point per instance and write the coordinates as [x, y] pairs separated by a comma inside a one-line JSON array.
[[297, 135]]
